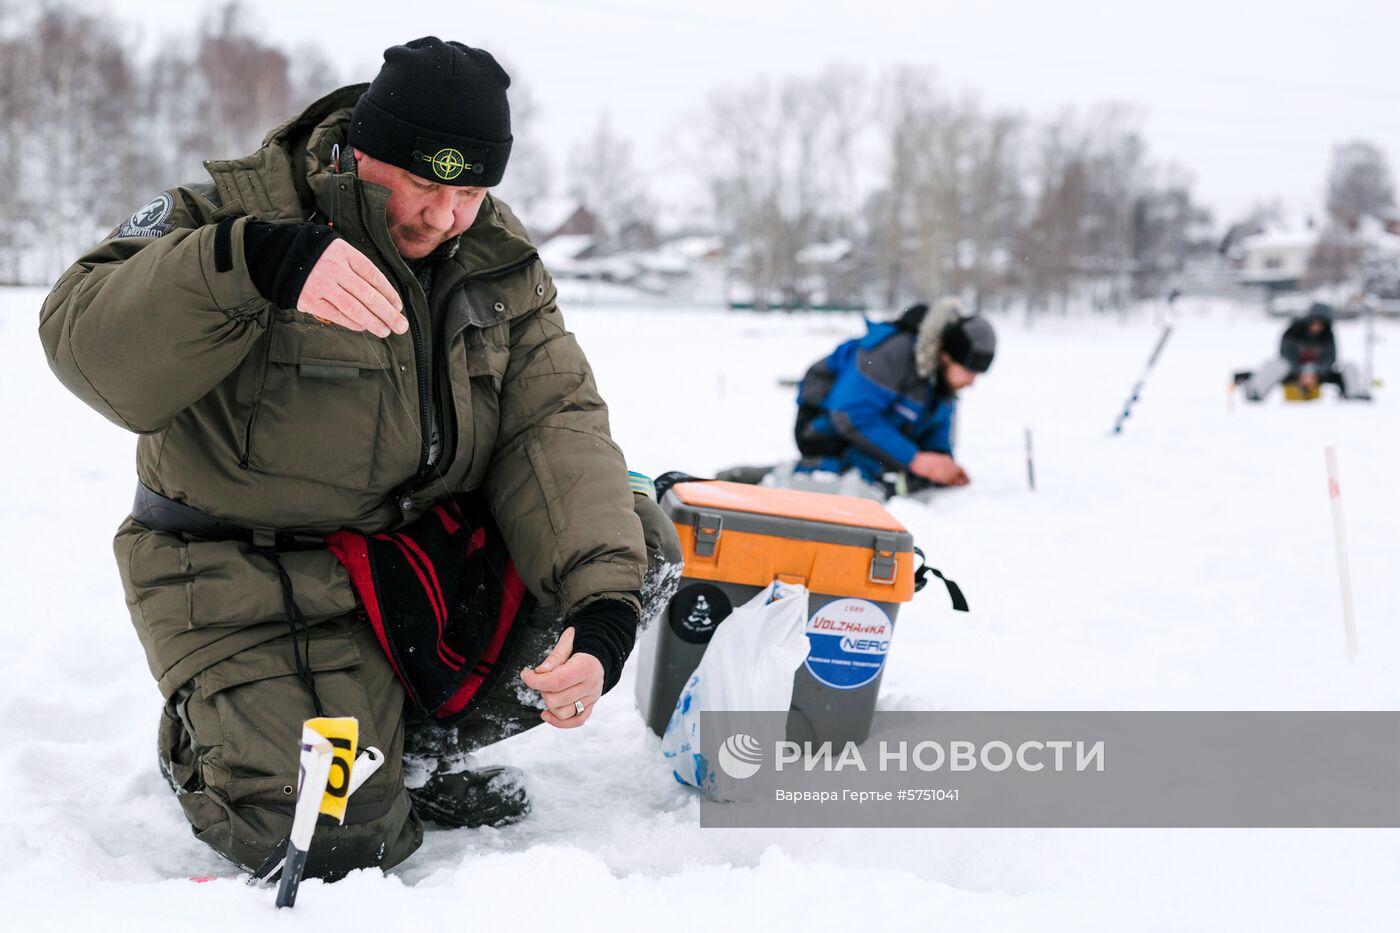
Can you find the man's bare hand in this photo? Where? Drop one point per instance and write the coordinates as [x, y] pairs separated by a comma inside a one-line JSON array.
[[345, 288], [938, 468], [564, 677]]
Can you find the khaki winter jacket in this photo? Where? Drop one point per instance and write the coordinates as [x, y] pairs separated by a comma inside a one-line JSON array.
[[267, 418]]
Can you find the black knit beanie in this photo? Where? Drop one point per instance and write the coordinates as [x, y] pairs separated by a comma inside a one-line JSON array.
[[970, 342], [439, 110]]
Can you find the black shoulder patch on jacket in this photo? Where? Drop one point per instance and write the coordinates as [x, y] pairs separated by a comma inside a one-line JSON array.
[[151, 219]]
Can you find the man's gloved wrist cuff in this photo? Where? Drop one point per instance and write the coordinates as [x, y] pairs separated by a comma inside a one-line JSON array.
[[606, 629], [280, 257]]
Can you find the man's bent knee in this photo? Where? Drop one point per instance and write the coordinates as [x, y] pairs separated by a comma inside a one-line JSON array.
[[230, 746]]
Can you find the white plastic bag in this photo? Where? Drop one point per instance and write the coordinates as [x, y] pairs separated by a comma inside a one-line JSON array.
[[748, 665]]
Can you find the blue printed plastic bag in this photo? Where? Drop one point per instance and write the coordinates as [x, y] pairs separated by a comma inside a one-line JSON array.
[[748, 665]]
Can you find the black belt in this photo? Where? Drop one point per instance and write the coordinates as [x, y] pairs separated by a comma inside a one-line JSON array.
[[159, 513]]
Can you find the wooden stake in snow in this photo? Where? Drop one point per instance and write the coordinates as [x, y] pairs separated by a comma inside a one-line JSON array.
[[1030, 462], [1334, 490]]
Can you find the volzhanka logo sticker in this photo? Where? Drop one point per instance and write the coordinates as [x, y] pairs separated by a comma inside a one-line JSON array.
[[448, 164]]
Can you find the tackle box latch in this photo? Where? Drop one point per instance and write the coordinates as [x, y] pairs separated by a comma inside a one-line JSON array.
[[708, 525], [884, 566]]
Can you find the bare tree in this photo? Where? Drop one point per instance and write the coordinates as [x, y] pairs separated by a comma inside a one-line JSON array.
[[528, 181], [780, 166], [947, 218], [1166, 225], [908, 98], [16, 113], [1053, 241], [1089, 173], [1335, 258], [218, 100], [81, 84], [996, 205], [603, 178], [312, 75], [1358, 183]]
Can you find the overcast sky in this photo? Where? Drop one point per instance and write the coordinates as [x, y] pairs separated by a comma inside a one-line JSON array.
[[1250, 96]]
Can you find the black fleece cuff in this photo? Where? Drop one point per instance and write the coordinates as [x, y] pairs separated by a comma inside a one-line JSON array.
[[281, 256], [606, 629]]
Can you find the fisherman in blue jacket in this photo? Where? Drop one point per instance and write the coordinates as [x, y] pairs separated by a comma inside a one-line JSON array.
[[884, 403]]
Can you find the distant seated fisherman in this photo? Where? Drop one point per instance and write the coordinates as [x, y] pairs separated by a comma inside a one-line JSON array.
[[1308, 357], [884, 403]]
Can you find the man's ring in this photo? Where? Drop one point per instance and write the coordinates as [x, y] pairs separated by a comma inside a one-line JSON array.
[[578, 707]]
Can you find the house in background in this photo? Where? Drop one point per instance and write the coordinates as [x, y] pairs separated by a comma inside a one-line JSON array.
[[547, 218], [685, 268], [1277, 259], [569, 255]]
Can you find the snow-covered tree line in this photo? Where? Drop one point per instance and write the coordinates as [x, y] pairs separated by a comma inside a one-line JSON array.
[[834, 188], [938, 194], [91, 128]]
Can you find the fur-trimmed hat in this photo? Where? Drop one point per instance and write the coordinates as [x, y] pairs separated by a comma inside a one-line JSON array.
[[969, 340], [928, 343]]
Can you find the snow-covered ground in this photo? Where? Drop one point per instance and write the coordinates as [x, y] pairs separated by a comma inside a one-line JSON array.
[[1187, 564]]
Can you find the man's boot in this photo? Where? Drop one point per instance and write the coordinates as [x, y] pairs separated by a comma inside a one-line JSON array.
[[489, 796]]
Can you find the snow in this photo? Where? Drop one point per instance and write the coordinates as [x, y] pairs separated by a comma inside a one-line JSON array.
[[1186, 564]]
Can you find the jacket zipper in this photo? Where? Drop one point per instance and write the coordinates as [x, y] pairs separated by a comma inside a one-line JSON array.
[[425, 377], [247, 456], [406, 493], [424, 410], [502, 272]]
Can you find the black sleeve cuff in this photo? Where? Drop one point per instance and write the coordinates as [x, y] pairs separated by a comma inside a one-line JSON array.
[[281, 256], [606, 629]]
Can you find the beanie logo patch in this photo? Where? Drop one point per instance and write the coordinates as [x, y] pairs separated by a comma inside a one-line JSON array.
[[447, 163]]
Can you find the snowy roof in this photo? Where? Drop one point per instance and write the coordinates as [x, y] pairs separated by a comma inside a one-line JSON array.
[[674, 257], [547, 215], [564, 249], [693, 247], [823, 253], [1279, 238]]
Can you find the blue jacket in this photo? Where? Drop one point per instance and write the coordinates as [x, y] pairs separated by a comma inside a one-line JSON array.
[[864, 407]]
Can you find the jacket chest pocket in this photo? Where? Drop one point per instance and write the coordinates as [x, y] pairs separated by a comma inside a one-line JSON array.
[[318, 412], [478, 371]]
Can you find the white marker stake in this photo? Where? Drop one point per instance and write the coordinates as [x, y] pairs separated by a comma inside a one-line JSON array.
[[366, 764], [1334, 490], [316, 756]]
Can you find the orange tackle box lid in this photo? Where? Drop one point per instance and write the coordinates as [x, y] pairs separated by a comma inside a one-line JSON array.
[[837, 545]]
